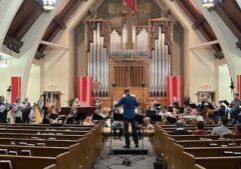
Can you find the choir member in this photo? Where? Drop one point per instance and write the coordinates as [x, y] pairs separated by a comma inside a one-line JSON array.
[[26, 111], [17, 110]]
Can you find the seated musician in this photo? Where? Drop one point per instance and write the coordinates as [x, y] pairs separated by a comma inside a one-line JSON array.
[[155, 105], [71, 117], [46, 118], [238, 129], [175, 103], [171, 116], [222, 111], [54, 116], [99, 113], [208, 110], [117, 124], [200, 131], [88, 121], [76, 103], [180, 129], [147, 124], [222, 129]]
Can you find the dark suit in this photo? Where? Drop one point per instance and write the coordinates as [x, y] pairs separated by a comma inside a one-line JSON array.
[[129, 104]]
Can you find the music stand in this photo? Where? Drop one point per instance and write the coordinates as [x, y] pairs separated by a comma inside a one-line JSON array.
[[112, 115], [143, 110]]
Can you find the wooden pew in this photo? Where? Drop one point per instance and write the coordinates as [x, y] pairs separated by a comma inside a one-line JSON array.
[[211, 162], [53, 166], [62, 161], [78, 148], [91, 140], [49, 152]]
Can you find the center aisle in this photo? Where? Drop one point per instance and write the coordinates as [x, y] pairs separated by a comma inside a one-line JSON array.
[[107, 161]]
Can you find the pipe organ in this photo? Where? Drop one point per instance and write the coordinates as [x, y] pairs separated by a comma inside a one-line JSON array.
[[119, 38], [98, 62], [160, 56], [110, 59]]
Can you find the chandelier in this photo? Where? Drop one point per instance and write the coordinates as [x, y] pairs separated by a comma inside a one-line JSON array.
[[208, 4], [48, 5]]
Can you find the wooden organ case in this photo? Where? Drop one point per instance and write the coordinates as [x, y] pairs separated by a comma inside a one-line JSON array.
[[130, 55]]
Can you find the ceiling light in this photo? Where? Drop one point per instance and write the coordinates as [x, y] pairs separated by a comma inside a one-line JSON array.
[[48, 5], [208, 4]]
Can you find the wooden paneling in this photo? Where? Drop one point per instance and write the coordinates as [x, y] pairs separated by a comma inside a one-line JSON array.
[[129, 76]]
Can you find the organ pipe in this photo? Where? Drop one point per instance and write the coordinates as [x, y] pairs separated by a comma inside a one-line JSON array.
[[160, 61], [98, 61]]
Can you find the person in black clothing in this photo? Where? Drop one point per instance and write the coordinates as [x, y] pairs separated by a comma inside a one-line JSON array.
[[180, 129], [4, 108], [129, 104], [46, 118], [117, 125], [235, 109], [71, 117], [26, 111]]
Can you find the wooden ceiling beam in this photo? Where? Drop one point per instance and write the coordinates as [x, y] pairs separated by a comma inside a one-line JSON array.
[[238, 44], [228, 22], [60, 23], [13, 44], [27, 14], [198, 22], [230, 13], [219, 55]]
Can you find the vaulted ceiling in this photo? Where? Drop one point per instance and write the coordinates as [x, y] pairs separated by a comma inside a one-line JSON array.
[[30, 10]]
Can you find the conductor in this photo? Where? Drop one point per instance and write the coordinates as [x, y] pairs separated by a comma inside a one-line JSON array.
[[129, 104]]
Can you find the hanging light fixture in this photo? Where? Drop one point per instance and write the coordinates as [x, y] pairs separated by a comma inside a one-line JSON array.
[[48, 5], [208, 4]]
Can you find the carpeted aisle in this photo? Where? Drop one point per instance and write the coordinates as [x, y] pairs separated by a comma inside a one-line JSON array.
[[107, 161]]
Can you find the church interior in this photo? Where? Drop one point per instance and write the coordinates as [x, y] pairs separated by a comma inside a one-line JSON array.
[[111, 84]]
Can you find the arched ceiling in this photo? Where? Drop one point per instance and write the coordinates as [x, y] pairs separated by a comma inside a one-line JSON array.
[[30, 11]]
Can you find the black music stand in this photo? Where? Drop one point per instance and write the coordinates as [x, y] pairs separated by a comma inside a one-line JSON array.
[[112, 115]]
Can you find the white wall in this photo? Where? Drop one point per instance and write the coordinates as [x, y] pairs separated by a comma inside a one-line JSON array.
[[200, 66], [55, 72], [33, 89], [14, 68], [224, 83]]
